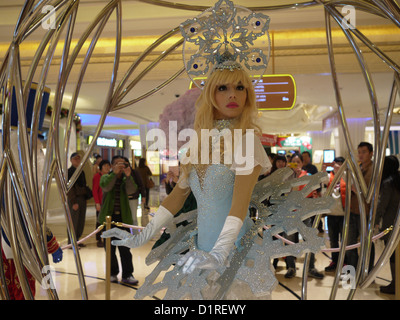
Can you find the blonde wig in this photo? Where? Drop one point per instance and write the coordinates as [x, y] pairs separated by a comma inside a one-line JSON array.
[[206, 106]]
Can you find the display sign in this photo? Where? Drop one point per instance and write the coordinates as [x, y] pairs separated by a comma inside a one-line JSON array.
[[107, 142], [276, 92], [273, 91], [269, 140], [303, 142]]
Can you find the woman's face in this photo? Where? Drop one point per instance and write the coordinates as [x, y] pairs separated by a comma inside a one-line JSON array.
[[336, 166], [299, 163], [280, 164], [230, 99]]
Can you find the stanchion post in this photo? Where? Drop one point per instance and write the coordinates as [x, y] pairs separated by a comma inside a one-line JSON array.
[[108, 260], [397, 273]]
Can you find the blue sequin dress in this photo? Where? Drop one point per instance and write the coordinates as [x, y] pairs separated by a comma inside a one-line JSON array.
[[212, 186], [213, 194]]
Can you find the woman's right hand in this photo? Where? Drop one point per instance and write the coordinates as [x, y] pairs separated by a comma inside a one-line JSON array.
[[126, 239], [161, 219]]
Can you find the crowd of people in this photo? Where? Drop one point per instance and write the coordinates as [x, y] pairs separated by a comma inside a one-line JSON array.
[[117, 187], [389, 199]]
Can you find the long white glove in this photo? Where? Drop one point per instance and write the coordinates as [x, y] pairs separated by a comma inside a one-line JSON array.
[[217, 256], [161, 218]]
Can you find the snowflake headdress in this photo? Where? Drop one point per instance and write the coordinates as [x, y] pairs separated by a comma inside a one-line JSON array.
[[226, 36]]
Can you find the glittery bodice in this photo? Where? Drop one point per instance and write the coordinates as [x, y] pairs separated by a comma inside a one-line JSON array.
[[212, 185]]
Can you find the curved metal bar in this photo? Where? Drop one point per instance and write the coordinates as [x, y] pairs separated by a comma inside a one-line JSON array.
[[53, 36], [74, 100], [49, 156], [339, 101], [26, 214], [373, 189], [363, 230], [381, 156], [149, 93], [32, 210], [345, 236], [33, 21], [358, 5], [108, 101], [61, 85], [386, 253], [118, 96], [148, 69], [385, 58], [355, 171], [372, 94], [27, 20], [182, 6], [317, 219], [4, 293], [14, 242], [71, 232], [390, 9]]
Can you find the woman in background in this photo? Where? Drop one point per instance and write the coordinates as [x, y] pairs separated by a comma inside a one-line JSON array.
[[389, 199], [145, 174]]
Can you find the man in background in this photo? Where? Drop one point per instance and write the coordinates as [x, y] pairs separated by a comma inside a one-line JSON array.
[[307, 165], [77, 198]]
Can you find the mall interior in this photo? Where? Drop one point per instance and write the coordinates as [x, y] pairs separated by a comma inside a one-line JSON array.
[[298, 111]]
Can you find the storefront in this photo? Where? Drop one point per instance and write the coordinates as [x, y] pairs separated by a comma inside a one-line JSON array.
[[108, 147], [286, 145]]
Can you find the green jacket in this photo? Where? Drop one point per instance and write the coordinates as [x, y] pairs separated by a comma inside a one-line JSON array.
[[128, 186]]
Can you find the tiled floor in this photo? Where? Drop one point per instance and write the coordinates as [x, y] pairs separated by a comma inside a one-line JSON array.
[[93, 262]]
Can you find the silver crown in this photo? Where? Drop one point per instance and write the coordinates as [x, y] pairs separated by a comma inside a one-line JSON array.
[[235, 31], [226, 62]]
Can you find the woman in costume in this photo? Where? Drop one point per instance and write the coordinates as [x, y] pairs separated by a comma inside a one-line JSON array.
[[222, 191], [213, 168]]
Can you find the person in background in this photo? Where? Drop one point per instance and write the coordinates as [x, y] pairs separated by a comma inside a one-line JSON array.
[[389, 199], [288, 158], [335, 218], [105, 167], [77, 198], [297, 162], [134, 197], [170, 181], [116, 186], [10, 272], [279, 162], [307, 165], [365, 154], [145, 174], [96, 164]]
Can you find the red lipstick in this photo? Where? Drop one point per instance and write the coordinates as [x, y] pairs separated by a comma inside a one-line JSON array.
[[232, 105]]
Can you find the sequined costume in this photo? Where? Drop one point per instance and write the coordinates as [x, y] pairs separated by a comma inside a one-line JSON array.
[[248, 273], [213, 185]]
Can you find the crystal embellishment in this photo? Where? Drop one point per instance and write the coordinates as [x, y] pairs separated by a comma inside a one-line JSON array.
[[226, 30]]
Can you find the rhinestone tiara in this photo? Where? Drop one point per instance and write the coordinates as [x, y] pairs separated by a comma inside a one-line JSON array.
[[226, 36]]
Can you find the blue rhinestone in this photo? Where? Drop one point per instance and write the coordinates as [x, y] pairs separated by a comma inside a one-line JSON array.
[[258, 23], [258, 60], [195, 66], [193, 29]]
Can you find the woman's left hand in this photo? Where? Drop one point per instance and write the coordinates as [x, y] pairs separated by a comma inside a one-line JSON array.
[[198, 259]]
